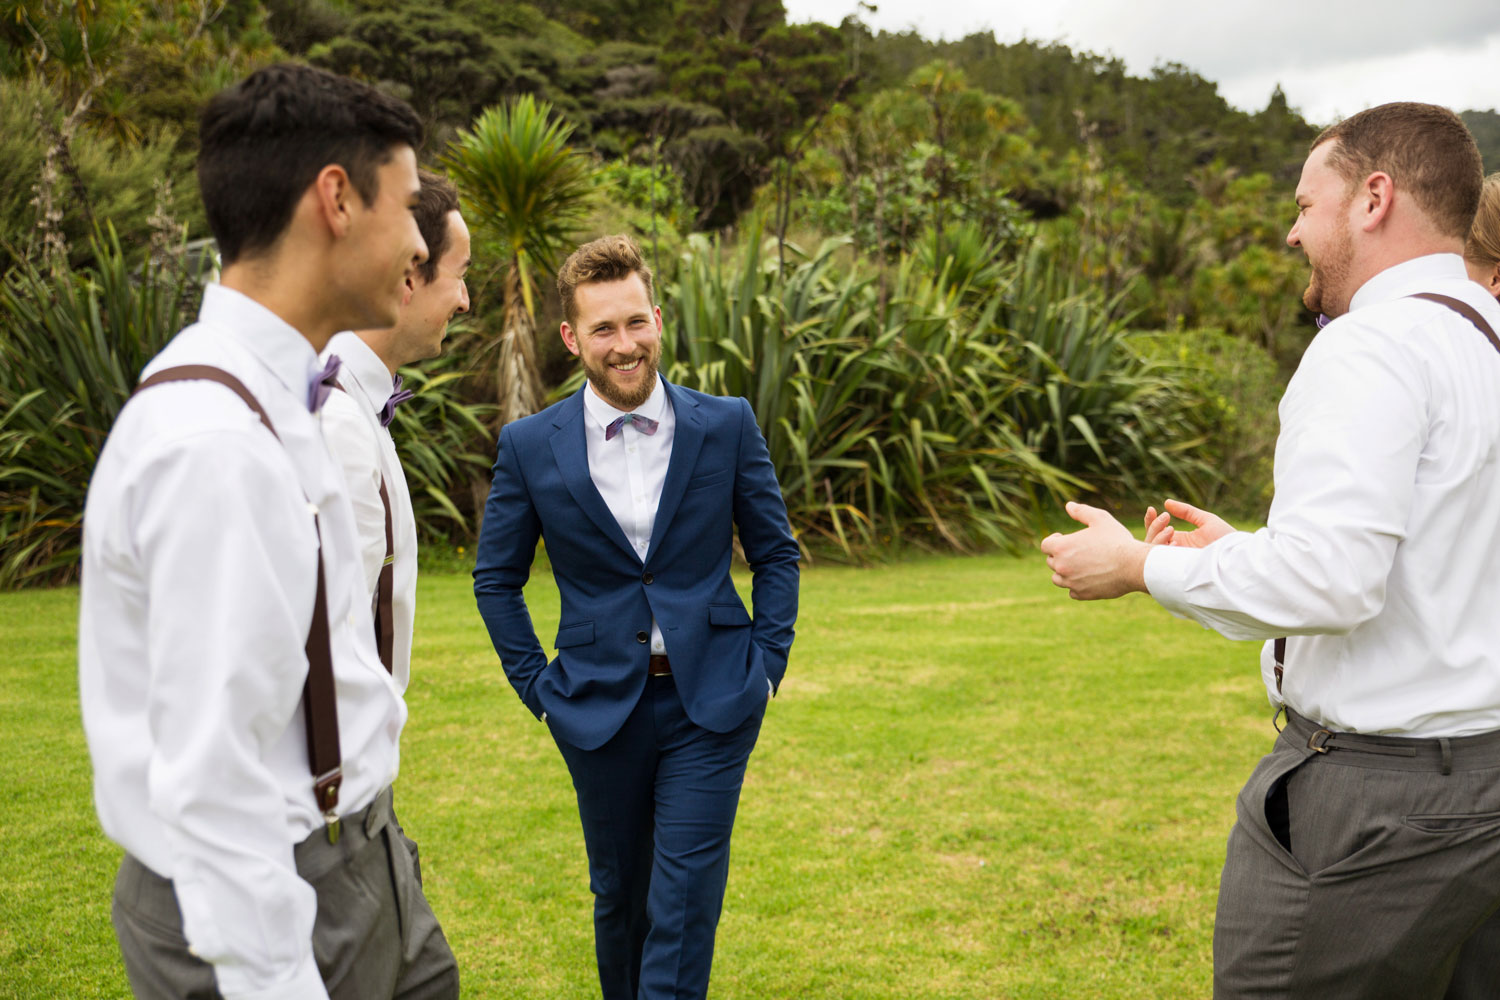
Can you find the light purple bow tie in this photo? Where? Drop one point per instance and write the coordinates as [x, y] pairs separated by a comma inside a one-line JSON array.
[[323, 383], [643, 424], [398, 396], [1323, 320]]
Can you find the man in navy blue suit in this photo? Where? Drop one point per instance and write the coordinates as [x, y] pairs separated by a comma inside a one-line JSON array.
[[662, 677]]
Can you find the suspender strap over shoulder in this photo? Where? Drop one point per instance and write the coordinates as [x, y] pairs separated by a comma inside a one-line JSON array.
[[1465, 310], [320, 707]]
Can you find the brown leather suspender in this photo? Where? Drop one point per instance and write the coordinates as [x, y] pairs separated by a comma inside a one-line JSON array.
[[1469, 313], [385, 583], [320, 706], [385, 590]]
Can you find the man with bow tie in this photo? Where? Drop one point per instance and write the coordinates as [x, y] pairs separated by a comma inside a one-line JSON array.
[[356, 421], [656, 697], [244, 732]]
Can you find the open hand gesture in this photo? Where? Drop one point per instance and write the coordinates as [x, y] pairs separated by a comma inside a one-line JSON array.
[[1208, 528]]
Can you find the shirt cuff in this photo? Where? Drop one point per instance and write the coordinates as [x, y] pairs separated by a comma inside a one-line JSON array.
[[305, 984], [1166, 573], [770, 688]]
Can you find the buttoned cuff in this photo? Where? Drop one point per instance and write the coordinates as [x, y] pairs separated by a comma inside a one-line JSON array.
[[1166, 573], [305, 984]]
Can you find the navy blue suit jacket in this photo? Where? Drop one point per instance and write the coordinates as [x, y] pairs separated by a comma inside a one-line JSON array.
[[720, 475]]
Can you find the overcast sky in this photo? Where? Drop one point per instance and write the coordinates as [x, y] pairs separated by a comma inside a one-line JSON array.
[[1332, 57]]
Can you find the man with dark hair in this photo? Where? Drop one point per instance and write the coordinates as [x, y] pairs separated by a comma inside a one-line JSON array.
[[662, 678], [1367, 847], [356, 422], [243, 731]]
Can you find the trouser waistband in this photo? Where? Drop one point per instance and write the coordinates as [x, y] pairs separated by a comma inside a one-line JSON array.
[[1399, 753]]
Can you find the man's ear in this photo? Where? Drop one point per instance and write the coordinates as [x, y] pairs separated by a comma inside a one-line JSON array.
[[333, 191], [1375, 198], [569, 338], [411, 289]]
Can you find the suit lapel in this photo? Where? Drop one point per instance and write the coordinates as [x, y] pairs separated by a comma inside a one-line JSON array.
[[687, 441], [571, 451]]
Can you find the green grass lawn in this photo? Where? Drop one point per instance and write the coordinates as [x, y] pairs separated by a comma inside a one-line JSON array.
[[968, 787]]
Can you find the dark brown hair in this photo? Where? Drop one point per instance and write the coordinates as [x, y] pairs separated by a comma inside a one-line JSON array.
[[437, 198], [1484, 238], [609, 258], [1424, 148], [265, 139]]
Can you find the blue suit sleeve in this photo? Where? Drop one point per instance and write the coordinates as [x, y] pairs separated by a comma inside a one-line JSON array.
[[507, 547], [770, 549]]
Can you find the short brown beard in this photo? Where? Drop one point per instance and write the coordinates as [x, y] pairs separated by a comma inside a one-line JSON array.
[[1331, 275], [600, 381]]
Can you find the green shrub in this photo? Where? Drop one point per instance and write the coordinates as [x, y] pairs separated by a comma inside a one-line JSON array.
[[71, 350], [1234, 391], [1083, 400]]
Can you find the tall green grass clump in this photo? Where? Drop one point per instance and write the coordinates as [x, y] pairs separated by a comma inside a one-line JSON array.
[[72, 345]]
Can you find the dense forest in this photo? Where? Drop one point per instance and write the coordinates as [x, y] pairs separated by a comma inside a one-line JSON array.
[[1008, 193]]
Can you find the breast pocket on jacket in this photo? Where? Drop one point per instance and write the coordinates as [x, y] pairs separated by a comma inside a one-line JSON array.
[[704, 482]]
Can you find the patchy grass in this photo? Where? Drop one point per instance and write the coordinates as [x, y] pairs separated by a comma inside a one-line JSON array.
[[969, 787]]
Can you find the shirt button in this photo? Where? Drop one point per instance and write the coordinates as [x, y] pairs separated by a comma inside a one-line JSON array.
[[648, 578], [642, 636]]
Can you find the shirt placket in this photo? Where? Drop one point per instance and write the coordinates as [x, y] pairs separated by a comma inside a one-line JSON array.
[[640, 513]]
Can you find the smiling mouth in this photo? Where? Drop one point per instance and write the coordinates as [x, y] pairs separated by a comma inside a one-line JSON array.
[[627, 368]]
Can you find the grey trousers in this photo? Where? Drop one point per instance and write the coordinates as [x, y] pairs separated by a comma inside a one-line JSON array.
[[1367, 871], [375, 937]]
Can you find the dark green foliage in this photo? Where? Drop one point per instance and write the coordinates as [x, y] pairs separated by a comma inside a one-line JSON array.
[[71, 349], [439, 62], [1486, 128], [97, 181], [444, 446], [1231, 399]]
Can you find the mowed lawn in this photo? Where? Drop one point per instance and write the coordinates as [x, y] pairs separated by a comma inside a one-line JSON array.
[[968, 787]]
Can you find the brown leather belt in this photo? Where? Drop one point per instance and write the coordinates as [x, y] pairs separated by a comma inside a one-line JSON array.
[[659, 666]]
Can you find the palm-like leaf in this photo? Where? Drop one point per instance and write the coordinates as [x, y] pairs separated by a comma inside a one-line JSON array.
[[526, 191]]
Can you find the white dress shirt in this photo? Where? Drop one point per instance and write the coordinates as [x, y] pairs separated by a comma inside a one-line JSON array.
[[199, 570], [1380, 554], [629, 470], [351, 426]]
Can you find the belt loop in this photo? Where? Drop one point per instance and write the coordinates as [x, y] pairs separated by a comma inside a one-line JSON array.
[[1446, 745]]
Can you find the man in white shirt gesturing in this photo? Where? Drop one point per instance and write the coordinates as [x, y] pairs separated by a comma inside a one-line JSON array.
[[1367, 847], [356, 421], [243, 731]]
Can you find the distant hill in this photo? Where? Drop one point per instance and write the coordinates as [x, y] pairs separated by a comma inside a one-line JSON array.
[[1486, 128]]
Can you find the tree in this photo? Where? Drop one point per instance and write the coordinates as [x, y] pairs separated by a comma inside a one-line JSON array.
[[526, 190]]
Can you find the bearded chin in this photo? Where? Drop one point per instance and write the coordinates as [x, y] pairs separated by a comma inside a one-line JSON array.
[[613, 394]]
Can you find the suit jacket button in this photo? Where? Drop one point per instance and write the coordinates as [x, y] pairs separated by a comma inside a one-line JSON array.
[[648, 578], [642, 636]]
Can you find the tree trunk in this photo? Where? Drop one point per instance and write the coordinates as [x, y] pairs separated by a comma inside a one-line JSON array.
[[518, 390]]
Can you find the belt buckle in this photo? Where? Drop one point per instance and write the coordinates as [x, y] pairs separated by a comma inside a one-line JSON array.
[[1319, 745]]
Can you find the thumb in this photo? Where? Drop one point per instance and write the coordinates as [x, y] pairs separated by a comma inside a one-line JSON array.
[[1187, 512], [1084, 514]]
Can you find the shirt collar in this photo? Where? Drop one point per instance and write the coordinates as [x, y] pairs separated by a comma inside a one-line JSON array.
[[274, 342], [603, 413], [362, 368], [1409, 276]]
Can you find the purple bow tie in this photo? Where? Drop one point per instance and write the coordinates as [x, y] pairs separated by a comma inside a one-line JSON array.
[[323, 383], [1323, 320], [643, 424], [398, 396]]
